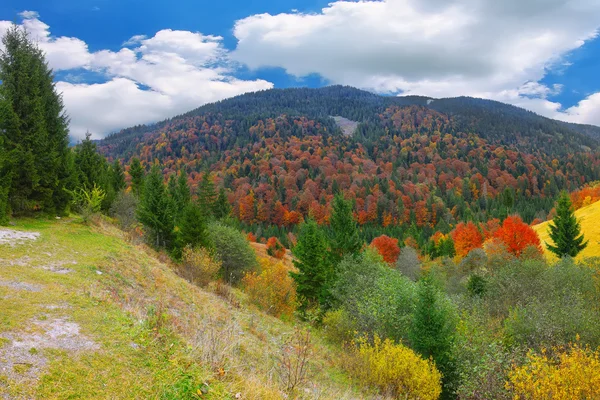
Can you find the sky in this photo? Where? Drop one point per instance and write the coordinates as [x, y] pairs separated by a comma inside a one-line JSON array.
[[120, 63]]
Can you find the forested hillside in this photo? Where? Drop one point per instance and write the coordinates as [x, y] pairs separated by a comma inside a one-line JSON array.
[[414, 165]]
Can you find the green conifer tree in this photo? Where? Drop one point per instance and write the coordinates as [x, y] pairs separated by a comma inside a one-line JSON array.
[[565, 230], [345, 235], [136, 171], [117, 177], [314, 276], [155, 210], [206, 194], [433, 330], [222, 207], [36, 130]]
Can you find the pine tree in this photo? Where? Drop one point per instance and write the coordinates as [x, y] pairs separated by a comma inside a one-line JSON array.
[[136, 171], [344, 229], [565, 230], [117, 177], [35, 130], [432, 332], [206, 194], [4, 185], [222, 207], [155, 210], [314, 276], [183, 195], [92, 170], [193, 229]]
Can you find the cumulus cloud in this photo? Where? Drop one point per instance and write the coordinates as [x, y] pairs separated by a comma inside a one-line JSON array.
[[147, 80], [484, 48]]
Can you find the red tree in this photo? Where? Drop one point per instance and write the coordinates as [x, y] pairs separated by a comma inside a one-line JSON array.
[[275, 248], [387, 247], [466, 238], [517, 235]]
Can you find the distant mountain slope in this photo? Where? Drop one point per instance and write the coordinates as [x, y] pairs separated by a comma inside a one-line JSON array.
[[411, 161], [589, 217]]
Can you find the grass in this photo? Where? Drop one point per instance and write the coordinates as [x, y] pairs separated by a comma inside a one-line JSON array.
[[157, 334], [588, 217]]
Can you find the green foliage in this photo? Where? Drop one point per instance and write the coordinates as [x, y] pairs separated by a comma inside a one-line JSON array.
[[565, 230], [207, 196], [137, 173], [155, 210], [34, 129], [88, 201], [192, 230], [315, 272], [222, 208], [408, 263], [233, 250], [345, 235], [476, 285], [117, 177], [91, 169], [433, 333], [5, 178], [373, 298]]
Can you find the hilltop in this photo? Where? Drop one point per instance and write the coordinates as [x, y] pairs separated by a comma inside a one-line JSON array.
[[87, 313], [280, 155]]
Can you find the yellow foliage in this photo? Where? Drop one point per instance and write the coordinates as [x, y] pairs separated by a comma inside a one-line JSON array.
[[273, 290], [573, 374], [396, 370], [198, 266]]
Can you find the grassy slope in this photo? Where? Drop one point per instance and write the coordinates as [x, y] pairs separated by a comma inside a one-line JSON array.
[[141, 354], [590, 226]]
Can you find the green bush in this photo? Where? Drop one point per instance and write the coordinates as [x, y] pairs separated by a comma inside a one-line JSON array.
[[233, 250], [375, 298]]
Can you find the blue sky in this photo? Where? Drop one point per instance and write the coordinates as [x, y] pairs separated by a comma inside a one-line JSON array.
[[120, 63]]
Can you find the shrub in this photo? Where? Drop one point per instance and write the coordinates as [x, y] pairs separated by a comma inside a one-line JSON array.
[[338, 326], [375, 298], [475, 260], [123, 209], [476, 285], [408, 263], [273, 290], [88, 201], [275, 248], [199, 266], [294, 359], [572, 374], [234, 251], [387, 247], [395, 370]]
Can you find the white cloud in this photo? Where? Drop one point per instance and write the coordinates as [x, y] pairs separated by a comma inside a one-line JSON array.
[[161, 76], [484, 48], [29, 14]]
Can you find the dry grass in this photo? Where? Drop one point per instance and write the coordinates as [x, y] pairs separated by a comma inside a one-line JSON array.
[[158, 335]]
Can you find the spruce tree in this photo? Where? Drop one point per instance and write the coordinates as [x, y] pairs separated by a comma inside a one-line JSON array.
[[193, 227], [432, 332], [314, 276], [345, 235], [136, 171], [5, 179], [117, 178], [35, 132], [206, 194], [183, 195], [155, 210], [565, 230], [222, 208]]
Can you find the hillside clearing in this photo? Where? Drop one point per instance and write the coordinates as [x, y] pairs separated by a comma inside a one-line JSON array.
[[588, 217], [84, 314]]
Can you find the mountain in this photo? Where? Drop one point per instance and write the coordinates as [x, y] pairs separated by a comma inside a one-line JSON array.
[[413, 164]]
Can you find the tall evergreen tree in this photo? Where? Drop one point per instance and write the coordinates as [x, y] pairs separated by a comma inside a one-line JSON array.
[[433, 330], [5, 178], [222, 208], [193, 227], [314, 276], [345, 235], [183, 195], [136, 171], [117, 177], [206, 194], [36, 132], [155, 210], [565, 230]]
